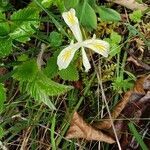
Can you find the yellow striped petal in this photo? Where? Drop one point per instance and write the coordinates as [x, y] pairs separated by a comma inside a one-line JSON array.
[[73, 23], [99, 46], [86, 62], [66, 55]]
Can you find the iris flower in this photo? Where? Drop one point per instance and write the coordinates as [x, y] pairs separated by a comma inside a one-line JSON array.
[[67, 54]]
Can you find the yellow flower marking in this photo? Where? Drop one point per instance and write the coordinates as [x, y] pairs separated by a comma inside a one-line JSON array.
[[66, 55], [99, 46], [71, 18]]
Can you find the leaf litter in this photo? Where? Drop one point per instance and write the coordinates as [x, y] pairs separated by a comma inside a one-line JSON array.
[[132, 105]]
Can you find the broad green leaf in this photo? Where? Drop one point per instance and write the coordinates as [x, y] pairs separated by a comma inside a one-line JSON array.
[[86, 15], [4, 26], [69, 73], [136, 15], [37, 84], [22, 22], [115, 37], [114, 49], [47, 3], [44, 3], [51, 68], [5, 46], [55, 39], [26, 71], [42, 87], [70, 3], [4, 5], [108, 14], [2, 97]]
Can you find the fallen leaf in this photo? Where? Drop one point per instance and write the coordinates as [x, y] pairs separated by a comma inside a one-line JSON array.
[[106, 124], [136, 93], [80, 129]]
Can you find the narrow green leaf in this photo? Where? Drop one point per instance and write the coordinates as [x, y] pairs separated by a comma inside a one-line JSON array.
[[137, 136], [108, 14], [1, 132], [53, 123], [2, 97]]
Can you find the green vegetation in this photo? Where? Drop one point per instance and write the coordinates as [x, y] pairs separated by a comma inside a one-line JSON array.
[[38, 99]]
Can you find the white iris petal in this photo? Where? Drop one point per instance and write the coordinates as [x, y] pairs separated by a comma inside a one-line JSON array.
[[86, 62], [66, 55], [73, 23], [99, 46]]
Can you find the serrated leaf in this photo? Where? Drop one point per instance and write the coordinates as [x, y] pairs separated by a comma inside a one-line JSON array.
[[2, 97], [46, 3], [22, 22], [108, 14], [4, 26], [52, 88], [5, 46], [51, 68], [26, 71], [55, 39], [87, 15], [70, 73], [115, 38], [42, 87], [37, 84], [136, 15]]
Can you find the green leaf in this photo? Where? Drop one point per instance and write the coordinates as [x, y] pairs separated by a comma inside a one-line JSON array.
[[115, 37], [55, 39], [37, 84], [136, 16], [4, 26], [5, 46], [87, 15], [137, 136], [26, 71], [70, 3], [115, 49], [22, 22], [70, 73], [42, 87], [1, 132], [2, 97], [46, 3], [108, 14], [51, 68]]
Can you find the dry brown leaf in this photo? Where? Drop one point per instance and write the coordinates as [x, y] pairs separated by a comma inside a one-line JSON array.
[[80, 129], [138, 62], [131, 95], [106, 124], [131, 4]]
